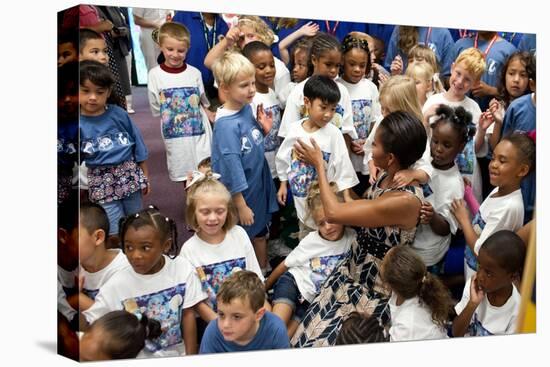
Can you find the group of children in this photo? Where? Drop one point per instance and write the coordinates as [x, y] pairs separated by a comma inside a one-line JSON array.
[[240, 167]]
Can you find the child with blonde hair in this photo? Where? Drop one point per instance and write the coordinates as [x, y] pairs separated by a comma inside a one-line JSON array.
[[177, 95], [426, 80], [238, 152]]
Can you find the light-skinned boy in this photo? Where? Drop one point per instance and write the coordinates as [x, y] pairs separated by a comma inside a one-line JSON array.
[[243, 324], [176, 94], [98, 264], [238, 150], [490, 301], [466, 72], [321, 95], [92, 46]]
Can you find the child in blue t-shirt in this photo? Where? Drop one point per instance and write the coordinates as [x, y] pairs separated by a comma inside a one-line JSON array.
[[243, 324], [112, 147]]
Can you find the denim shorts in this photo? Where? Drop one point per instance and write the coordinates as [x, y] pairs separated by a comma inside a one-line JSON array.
[[286, 291]]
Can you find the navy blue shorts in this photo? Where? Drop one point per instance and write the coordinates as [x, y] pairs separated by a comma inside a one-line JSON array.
[[286, 291]]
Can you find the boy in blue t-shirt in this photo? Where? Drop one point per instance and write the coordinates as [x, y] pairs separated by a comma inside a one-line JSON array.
[[243, 324]]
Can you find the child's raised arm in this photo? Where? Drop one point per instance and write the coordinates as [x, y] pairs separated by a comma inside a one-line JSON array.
[[462, 321], [231, 37], [458, 208], [309, 29], [437, 222]]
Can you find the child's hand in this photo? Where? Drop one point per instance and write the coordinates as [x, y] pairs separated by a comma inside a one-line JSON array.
[[357, 146], [396, 67], [403, 178], [459, 210], [233, 35], [373, 173], [430, 112], [426, 212], [382, 78], [246, 215], [482, 89], [476, 292], [211, 115], [264, 119], [309, 29], [496, 108], [485, 120], [309, 153], [466, 181], [282, 194]]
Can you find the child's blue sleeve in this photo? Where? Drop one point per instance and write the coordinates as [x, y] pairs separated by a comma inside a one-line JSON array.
[[209, 342], [447, 54], [392, 48], [280, 335], [226, 156]]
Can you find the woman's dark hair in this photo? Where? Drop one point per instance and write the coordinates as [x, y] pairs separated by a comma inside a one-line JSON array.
[[507, 249], [527, 60], [358, 328], [254, 47], [460, 120], [321, 43], [403, 135], [349, 42], [151, 216], [97, 73], [405, 272], [322, 87], [126, 333], [525, 146]]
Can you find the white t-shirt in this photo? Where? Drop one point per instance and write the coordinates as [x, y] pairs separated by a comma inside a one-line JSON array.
[[282, 76], [300, 174], [161, 296], [295, 110], [466, 160], [412, 321], [215, 262], [285, 92], [495, 214], [62, 305], [366, 111], [441, 190], [488, 319], [94, 281], [272, 141], [312, 261], [178, 98]]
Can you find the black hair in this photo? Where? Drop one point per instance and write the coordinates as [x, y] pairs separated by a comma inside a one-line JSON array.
[[459, 118], [403, 135], [507, 249], [532, 68], [97, 73], [303, 44], [151, 217], [358, 329], [67, 79], [252, 48], [67, 212], [527, 59], [322, 87], [126, 334], [86, 34], [320, 44], [525, 146], [68, 37], [350, 42], [94, 217]]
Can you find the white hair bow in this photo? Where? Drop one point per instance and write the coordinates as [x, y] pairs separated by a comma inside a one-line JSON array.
[[197, 176]]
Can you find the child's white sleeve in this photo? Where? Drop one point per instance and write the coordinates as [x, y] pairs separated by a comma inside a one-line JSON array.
[[104, 303], [424, 163], [193, 288], [347, 120], [292, 112], [368, 144], [204, 100], [340, 169], [460, 306], [504, 217], [283, 158], [153, 93], [300, 255]]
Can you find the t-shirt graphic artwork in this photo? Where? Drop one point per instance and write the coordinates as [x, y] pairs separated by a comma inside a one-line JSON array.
[[164, 306], [362, 111], [321, 267], [302, 174], [180, 112], [271, 140], [213, 275]]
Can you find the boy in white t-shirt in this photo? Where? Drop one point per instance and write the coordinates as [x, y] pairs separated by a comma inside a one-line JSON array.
[[321, 94], [490, 302]]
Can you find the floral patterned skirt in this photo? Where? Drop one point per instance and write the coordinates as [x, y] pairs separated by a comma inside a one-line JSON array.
[[109, 183]]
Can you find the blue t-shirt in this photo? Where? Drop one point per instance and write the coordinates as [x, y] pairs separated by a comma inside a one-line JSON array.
[[528, 43], [271, 334], [513, 37], [282, 33], [439, 40], [339, 29], [521, 116], [496, 58], [199, 44], [382, 31], [238, 156], [110, 139]]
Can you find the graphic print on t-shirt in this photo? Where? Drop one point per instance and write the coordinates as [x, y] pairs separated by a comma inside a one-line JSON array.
[[362, 116], [479, 224], [253, 137], [465, 159], [105, 143], [92, 293], [301, 174], [321, 267], [165, 307], [271, 140], [213, 275], [180, 114], [476, 328]]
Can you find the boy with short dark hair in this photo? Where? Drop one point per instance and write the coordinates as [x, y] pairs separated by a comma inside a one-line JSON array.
[[92, 46], [243, 324], [490, 302]]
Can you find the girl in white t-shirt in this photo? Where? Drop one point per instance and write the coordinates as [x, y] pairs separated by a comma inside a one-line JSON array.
[[450, 132], [219, 246], [513, 159], [419, 302], [299, 277], [157, 284], [364, 101]]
